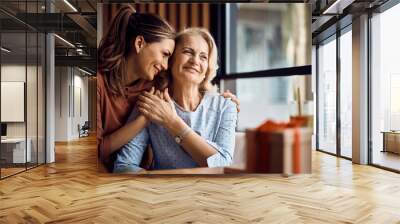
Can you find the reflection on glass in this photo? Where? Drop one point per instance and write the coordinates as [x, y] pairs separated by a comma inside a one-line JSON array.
[[41, 99], [260, 37], [346, 94], [32, 88], [22, 6], [394, 102], [327, 97], [385, 88], [31, 97], [14, 146], [268, 98], [264, 36], [261, 99], [23, 86]]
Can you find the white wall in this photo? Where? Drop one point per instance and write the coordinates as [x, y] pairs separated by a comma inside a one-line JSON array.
[[70, 83], [16, 73], [80, 94], [33, 126], [61, 103], [12, 73]]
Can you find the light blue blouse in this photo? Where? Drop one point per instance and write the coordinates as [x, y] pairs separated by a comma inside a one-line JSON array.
[[214, 120]]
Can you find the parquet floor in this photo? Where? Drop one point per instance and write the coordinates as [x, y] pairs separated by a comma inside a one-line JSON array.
[[10, 171], [72, 191], [387, 159]]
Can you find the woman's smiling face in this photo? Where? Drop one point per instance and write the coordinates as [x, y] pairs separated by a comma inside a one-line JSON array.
[[153, 58], [190, 59]]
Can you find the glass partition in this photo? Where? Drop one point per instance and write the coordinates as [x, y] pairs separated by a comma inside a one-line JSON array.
[[327, 96], [269, 98], [346, 94], [13, 103], [385, 89], [31, 98], [41, 91], [259, 41], [22, 88], [260, 36]]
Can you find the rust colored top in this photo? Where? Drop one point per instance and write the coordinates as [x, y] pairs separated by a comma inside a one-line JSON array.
[[113, 112]]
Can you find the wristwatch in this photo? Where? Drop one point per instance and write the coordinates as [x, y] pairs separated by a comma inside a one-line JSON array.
[[179, 138]]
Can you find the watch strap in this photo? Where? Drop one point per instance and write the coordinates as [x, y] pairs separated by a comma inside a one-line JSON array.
[[183, 134]]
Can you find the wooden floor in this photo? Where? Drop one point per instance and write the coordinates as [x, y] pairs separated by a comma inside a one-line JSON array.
[[387, 159], [5, 172], [72, 191]]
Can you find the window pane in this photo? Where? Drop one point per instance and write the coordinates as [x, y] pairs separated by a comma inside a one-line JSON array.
[[41, 98], [327, 97], [14, 153], [269, 98], [385, 88], [31, 97], [346, 94], [260, 36], [22, 83]]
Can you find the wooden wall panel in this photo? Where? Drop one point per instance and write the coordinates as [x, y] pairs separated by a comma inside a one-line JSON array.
[[194, 15], [141, 7], [183, 16], [205, 16], [172, 14], [152, 8], [180, 16], [162, 10]]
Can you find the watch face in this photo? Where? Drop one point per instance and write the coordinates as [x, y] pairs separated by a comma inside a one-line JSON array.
[[177, 140]]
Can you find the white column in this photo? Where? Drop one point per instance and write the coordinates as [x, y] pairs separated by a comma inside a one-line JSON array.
[[62, 103], [50, 92], [50, 97], [360, 90], [314, 95]]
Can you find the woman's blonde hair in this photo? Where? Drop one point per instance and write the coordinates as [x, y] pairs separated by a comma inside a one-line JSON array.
[[205, 85]]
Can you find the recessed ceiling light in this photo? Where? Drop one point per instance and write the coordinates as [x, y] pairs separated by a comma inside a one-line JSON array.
[[338, 6], [65, 41], [70, 5], [84, 71], [5, 50]]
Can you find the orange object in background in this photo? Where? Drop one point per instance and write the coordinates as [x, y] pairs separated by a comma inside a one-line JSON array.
[[302, 121], [279, 147]]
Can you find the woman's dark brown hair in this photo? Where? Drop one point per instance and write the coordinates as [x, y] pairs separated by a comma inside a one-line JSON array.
[[117, 43]]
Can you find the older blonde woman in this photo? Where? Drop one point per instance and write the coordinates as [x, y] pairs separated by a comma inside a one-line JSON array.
[[193, 128]]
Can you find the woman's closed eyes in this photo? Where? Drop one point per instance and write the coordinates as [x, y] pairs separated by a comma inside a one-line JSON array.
[[188, 51], [167, 54], [191, 52], [203, 57]]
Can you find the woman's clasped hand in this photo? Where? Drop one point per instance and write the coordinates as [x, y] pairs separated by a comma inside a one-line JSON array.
[[157, 107]]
